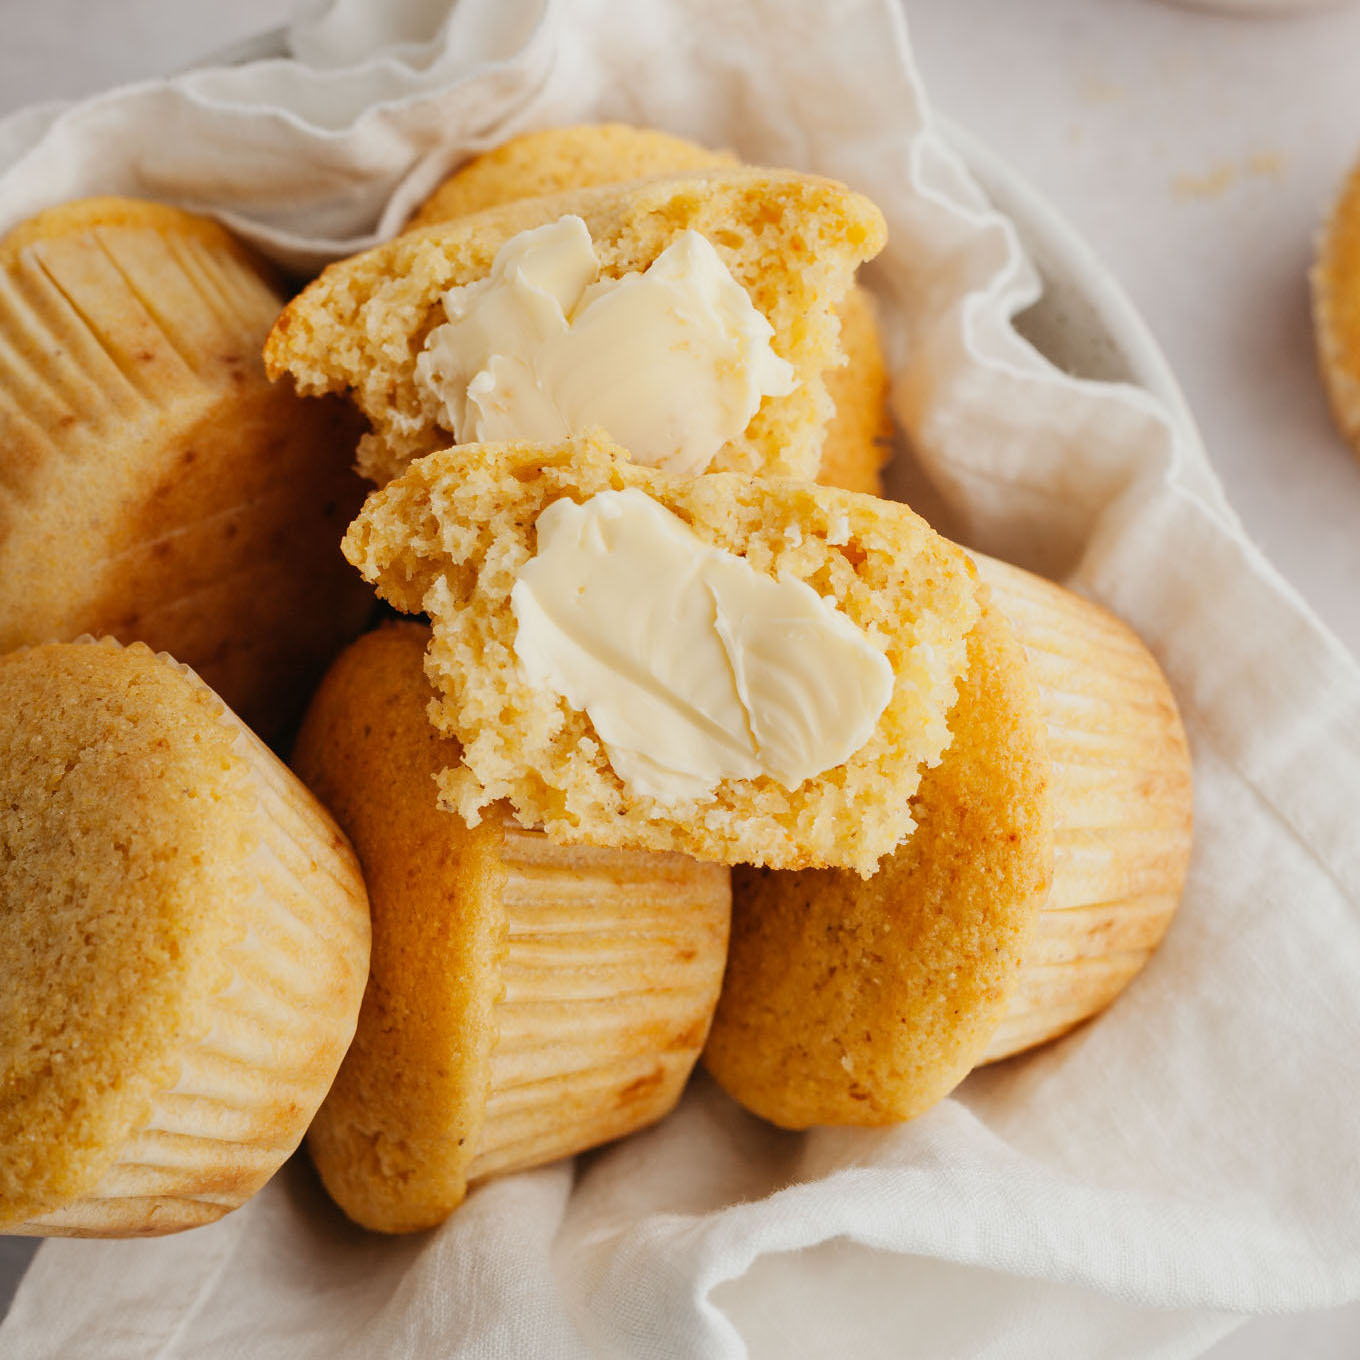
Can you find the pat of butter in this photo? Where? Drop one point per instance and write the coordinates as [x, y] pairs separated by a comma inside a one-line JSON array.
[[693, 666], [671, 363]]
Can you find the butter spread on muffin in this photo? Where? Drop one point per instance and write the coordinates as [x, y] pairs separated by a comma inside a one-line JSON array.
[[673, 362], [693, 666]]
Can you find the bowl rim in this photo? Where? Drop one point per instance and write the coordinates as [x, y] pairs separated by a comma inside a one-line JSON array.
[[1039, 224]]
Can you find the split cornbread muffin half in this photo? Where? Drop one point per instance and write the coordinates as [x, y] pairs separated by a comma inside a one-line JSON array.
[[859, 434], [184, 941], [526, 1000], [691, 317], [739, 668], [154, 485], [1051, 849]]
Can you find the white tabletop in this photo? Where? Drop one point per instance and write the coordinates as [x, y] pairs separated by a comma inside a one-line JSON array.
[[1197, 153]]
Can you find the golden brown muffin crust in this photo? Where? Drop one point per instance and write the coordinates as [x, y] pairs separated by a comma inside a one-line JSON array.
[[1122, 797], [555, 160], [1336, 307], [84, 214], [526, 1001], [852, 1001], [115, 911]]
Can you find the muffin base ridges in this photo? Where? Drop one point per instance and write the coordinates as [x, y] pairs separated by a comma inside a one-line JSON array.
[[1121, 792], [612, 968]]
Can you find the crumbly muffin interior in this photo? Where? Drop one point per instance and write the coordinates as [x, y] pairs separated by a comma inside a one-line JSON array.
[[118, 817], [791, 241], [450, 537]]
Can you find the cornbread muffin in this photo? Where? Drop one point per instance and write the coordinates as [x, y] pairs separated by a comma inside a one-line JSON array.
[[791, 242], [456, 532], [153, 484], [526, 1001], [1335, 280], [184, 940], [859, 435], [1050, 853], [853, 1001]]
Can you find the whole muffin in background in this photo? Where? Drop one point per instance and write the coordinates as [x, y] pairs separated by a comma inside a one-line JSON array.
[[154, 486], [557, 159], [1335, 281], [526, 1001], [184, 943], [1122, 795]]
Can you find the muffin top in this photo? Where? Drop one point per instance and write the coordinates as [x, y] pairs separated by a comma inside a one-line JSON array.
[[553, 160], [790, 242], [456, 536], [122, 847]]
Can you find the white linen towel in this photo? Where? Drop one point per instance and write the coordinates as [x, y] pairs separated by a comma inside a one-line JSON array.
[[1190, 1156]]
